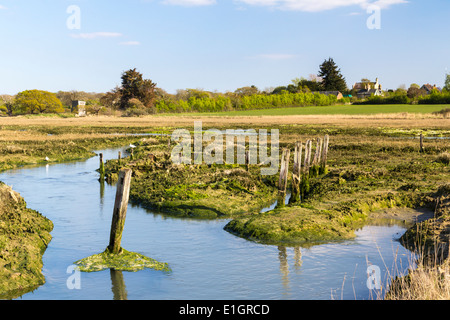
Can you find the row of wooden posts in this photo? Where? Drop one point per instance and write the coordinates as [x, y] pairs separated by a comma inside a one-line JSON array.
[[312, 165], [303, 168]]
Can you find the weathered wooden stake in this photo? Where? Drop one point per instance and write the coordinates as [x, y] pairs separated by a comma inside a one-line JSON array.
[[120, 210], [421, 143], [282, 182], [316, 158], [324, 154], [102, 166], [247, 160], [296, 173], [307, 156], [319, 158], [297, 158]]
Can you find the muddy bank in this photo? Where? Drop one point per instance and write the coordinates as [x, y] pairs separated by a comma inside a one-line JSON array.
[[24, 236], [315, 223], [432, 237], [404, 216]]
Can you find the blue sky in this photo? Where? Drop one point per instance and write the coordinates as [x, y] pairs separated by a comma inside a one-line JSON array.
[[219, 45]]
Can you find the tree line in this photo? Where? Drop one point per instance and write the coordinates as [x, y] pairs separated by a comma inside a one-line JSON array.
[[138, 96]]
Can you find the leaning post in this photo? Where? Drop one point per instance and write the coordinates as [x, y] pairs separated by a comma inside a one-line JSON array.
[[120, 211]]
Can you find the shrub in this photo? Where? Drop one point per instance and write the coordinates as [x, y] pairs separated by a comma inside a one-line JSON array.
[[444, 112], [436, 98]]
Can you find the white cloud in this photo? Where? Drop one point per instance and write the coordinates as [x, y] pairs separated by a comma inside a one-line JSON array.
[[190, 3], [94, 35], [130, 43], [3, 7], [383, 4], [321, 5]]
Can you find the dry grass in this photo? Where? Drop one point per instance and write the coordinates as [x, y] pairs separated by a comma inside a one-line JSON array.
[[424, 283], [429, 279], [404, 120]]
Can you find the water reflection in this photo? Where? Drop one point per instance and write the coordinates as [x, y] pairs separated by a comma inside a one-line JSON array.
[[118, 285], [102, 190], [284, 265], [297, 258]]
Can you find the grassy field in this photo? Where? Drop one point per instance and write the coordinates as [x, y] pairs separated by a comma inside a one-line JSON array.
[[330, 110]]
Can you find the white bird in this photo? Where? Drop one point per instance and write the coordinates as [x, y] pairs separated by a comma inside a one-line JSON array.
[[132, 146], [47, 159]]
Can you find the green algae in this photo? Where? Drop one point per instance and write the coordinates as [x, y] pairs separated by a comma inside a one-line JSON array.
[[24, 237], [124, 261]]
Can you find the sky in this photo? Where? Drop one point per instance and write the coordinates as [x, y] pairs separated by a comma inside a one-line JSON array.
[[219, 45]]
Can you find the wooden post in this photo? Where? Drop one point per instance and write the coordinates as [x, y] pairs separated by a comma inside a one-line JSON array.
[[421, 143], [102, 166], [323, 164], [307, 156], [296, 173], [320, 142], [315, 162], [316, 158], [247, 160], [282, 182], [119, 156], [120, 210], [297, 158]]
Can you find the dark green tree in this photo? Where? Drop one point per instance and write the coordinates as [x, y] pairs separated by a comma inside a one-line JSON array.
[[135, 87], [332, 79], [447, 82]]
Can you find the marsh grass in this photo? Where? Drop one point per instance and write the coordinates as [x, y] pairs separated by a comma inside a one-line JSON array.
[[32, 145], [429, 275], [419, 276]]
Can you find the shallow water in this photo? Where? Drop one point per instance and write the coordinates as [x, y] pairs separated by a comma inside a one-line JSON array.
[[206, 261]]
